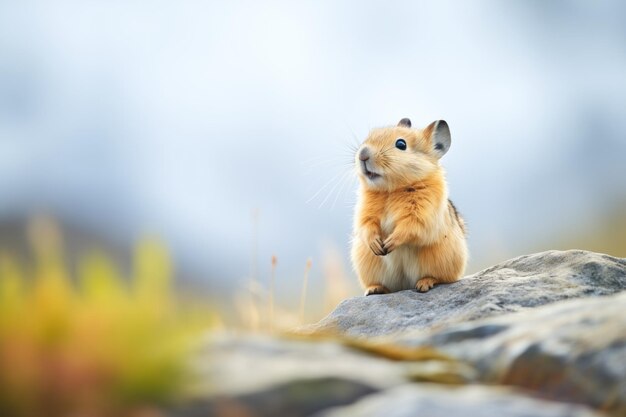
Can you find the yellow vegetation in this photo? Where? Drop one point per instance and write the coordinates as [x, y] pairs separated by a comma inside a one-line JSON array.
[[90, 342]]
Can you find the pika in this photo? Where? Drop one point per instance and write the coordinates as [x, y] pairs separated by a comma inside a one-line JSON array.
[[407, 233]]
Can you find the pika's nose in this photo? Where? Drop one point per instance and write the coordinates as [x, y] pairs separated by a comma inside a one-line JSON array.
[[364, 155]]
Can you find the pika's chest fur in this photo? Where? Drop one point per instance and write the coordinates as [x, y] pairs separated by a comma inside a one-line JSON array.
[[403, 204], [387, 223]]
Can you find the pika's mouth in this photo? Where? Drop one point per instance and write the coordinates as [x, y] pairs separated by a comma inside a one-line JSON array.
[[371, 175]]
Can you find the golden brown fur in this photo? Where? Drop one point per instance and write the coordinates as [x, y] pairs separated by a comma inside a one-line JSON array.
[[407, 234]]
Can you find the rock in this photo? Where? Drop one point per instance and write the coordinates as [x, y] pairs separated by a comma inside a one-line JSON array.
[[515, 285], [246, 364], [473, 401], [541, 335], [257, 375], [572, 351], [299, 397]]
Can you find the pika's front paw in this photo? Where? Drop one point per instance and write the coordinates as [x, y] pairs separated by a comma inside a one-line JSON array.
[[390, 244], [376, 289], [376, 245], [425, 284]]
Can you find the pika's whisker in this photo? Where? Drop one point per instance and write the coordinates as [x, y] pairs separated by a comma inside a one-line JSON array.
[[346, 180], [324, 187], [333, 189]]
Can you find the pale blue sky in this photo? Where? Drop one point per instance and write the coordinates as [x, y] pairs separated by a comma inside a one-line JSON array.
[[181, 118]]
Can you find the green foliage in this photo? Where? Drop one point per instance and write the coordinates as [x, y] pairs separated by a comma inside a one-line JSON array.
[[95, 343]]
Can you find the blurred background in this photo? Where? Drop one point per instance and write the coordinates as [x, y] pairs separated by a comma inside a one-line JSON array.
[[224, 128]]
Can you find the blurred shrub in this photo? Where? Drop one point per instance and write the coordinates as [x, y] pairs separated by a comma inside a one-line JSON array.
[[91, 343]]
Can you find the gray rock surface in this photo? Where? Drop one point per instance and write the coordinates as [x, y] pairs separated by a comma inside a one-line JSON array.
[[245, 364], [299, 397], [572, 351], [253, 375], [473, 401], [256, 375], [519, 284], [545, 332]]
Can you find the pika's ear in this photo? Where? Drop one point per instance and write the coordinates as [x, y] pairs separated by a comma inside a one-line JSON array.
[[439, 134], [404, 122]]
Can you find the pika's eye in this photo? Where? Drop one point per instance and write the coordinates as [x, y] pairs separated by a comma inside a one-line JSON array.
[[401, 144]]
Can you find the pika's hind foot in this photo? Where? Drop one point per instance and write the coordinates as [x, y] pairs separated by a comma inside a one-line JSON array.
[[425, 284], [376, 289]]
